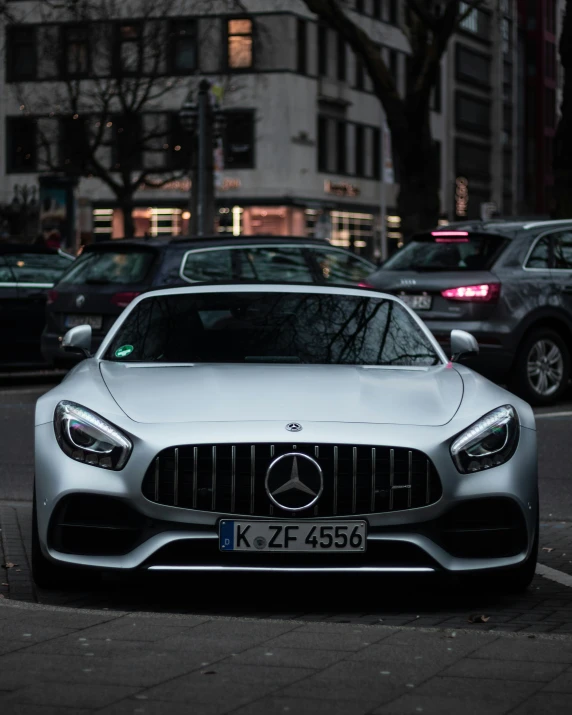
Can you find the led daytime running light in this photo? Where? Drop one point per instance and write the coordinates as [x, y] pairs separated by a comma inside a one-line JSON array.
[[497, 418]]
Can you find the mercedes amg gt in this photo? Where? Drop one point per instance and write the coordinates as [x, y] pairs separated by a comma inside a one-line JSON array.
[[281, 428]]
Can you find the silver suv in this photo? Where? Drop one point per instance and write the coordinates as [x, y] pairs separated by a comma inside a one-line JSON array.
[[508, 283]]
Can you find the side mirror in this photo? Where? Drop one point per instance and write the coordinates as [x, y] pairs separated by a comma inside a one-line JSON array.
[[78, 340], [463, 344]]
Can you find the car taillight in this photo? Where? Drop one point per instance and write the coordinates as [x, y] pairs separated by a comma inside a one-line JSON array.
[[364, 285], [122, 300], [484, 293], [52, 296]]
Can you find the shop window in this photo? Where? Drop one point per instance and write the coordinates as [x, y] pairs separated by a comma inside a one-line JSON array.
[[22, 59], [183, 46], [21, 135], [302, 47], [353, 230], [239, 140], [239, 44], [76, 54], [129, 48]]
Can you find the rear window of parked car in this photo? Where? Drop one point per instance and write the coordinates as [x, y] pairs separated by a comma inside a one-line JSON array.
[[437, 251], [341, 266], [121, 267], [42, 268]]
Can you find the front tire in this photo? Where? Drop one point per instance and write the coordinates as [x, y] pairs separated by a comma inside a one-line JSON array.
[[542, 367]]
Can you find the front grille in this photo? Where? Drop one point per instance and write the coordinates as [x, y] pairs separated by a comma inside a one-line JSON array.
[[230, 479]]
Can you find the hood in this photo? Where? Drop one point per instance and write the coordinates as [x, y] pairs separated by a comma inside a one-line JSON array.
[[313, 393]]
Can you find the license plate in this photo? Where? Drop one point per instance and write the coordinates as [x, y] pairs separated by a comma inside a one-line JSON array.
[[284, 536], [418, 302], [96, 321]]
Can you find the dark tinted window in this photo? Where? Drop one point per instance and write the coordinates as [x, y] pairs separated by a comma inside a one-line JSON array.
[[341, 266], [183, 50], [273, 327], [471, 252], [540, 256], [562, 243], [22, 53], [21, 143], [239, 140], [120, 267], [37, 267], [208, 266], [279, 264], [6, 275]]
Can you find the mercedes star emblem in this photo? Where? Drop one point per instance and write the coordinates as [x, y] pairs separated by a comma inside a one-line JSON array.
[[79, 301], [294, 427], [294, 481]]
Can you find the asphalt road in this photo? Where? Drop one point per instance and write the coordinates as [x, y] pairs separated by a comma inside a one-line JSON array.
[[17, 448]]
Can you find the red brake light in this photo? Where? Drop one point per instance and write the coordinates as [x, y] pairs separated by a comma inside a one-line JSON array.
[[364, 285], [122, 300], [52, 296], [484, 293]]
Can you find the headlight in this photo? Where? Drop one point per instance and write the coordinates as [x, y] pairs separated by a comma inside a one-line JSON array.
[[88, 438], [489, 442]]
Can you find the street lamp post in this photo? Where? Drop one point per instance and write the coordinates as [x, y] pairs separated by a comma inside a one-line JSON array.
[[205, 123]]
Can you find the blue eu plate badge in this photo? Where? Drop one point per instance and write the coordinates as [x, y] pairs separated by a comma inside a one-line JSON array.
[[227, 536]]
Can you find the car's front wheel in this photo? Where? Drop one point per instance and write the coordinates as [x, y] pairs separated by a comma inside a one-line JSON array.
[[542, 368]]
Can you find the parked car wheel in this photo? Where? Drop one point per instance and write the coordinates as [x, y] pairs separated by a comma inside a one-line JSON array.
[[542, 368]]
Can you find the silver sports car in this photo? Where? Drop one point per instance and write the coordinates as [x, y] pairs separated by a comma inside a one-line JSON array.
[[281, 428]]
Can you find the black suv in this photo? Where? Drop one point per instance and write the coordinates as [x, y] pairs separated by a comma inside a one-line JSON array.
[[109, 275], [507, 283]]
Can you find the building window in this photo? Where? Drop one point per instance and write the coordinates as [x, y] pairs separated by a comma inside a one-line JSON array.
[[392, 14], [377, 9], [22, 60], [341, 66], [473, 114], [472, 160], [127, 145], [239, 44], [21, 135], [183, 46], [323, 127], [179, 144], [341, 147], [302, 47], [471, 21], [322, 50], [351, 229], [239, 140], [76, 59], [377, 154], [471, 66], [393, 65], [505, 34], [129, 48], [550, 16], [72, 144], [360, 6], [359, 151], [436, 92]]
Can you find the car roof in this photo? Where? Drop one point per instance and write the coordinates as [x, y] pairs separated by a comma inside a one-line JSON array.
[[13, 247], [202, 242], [505, 227]]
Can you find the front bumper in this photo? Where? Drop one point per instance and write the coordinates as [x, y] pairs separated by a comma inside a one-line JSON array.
[[166, 538]]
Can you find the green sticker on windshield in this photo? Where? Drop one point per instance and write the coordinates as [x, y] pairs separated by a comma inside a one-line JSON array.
[[124, 351]]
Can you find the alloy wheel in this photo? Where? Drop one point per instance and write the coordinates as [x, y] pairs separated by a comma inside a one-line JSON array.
[[545, 367]]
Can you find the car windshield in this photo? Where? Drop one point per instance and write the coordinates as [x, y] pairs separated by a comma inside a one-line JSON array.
[[103, 267], [269, 327], [447, 251], [42, 268]]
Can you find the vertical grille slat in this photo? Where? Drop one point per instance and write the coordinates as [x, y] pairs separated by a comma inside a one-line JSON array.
[[230, 479]]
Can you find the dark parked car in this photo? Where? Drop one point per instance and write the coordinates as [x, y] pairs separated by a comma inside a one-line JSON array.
[[26, 274], [109, 275], [510, 284]]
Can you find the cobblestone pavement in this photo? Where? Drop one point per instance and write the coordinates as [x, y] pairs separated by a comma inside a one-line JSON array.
[[545, 608]]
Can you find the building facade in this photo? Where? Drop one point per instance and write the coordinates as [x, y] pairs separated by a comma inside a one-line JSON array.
[[303, 145]]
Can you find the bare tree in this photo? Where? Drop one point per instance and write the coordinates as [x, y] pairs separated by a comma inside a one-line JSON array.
[[105, 114], [428, 26], [562, 199]]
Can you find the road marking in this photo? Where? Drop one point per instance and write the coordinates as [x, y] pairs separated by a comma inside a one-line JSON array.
[[559, 576], [549, 415]]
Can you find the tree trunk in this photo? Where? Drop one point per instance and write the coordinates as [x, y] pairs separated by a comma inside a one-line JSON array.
[[562, 196], [126, 205], [419, 181]]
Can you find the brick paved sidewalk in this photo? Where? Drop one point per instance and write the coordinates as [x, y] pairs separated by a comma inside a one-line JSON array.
[[55, 660]]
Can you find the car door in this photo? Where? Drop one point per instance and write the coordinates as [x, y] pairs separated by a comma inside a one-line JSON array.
[[562, 268], [9, 330]]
